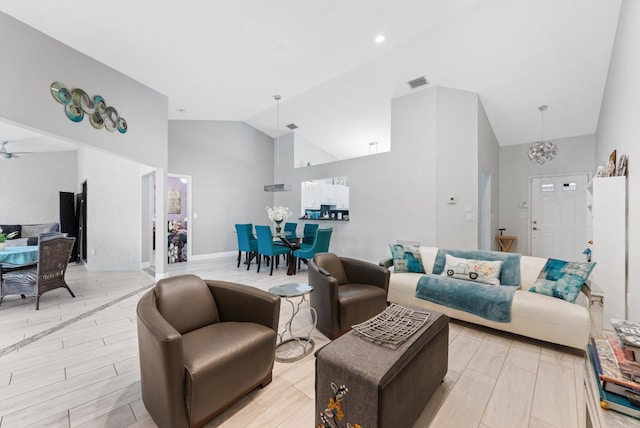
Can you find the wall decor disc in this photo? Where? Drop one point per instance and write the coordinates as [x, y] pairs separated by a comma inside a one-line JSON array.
[[74, 112], [111, 119], [96, 120], [100, 104], [77, 103], [80, 98], [60, 93], [122, 125]]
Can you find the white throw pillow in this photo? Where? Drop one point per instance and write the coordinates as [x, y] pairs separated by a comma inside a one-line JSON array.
[[484, 271]]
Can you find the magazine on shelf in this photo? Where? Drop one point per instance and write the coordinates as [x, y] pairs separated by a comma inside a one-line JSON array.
[[629, 368], [608, 370], [609, 400]]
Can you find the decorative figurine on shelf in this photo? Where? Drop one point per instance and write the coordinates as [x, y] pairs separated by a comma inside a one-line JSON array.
[[587, 251]]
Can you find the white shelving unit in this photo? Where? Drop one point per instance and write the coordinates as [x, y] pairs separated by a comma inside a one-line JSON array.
[[609, 209]]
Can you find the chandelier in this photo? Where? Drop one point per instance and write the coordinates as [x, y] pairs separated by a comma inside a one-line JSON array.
[[542, 151]]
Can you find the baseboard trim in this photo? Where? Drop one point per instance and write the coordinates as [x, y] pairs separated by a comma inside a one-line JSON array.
[[214, 255]]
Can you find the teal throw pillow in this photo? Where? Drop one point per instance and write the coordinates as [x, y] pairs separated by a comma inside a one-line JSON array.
[[484, 271], [406, 258], [562, 279]]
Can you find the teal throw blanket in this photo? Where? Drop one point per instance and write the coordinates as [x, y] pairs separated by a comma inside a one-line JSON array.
[[492, 302]]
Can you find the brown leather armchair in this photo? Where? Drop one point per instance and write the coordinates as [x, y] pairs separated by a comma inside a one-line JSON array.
[[203, 345], [346, 292]]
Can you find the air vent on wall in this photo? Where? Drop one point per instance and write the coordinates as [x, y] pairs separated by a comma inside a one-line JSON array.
[[416, 83], [292, 126]]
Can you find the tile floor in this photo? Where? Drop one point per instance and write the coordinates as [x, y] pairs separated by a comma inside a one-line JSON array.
[[74, 363]]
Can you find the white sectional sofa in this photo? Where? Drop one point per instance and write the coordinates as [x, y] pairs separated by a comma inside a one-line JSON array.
[[533, 315]]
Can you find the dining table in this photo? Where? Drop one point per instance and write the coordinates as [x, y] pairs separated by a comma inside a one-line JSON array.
[[290, 240], [18, 256]]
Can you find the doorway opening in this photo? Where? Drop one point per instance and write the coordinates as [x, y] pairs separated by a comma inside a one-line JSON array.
[[178, 218]]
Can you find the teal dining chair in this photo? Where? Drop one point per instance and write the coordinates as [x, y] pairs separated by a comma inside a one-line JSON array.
[[290, 230], [320, 245], [246, 242], [289, 233], [308, 235], [267, 248]]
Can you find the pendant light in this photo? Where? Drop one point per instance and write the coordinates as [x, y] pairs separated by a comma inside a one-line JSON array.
[[542, 151], [277, 187]]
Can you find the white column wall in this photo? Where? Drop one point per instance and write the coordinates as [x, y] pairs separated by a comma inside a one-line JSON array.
[[619, 128]]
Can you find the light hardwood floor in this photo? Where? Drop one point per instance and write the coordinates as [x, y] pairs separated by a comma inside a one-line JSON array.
[[74, 363]]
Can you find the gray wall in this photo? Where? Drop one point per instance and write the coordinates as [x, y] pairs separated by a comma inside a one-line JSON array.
[[29, 62], [457, 169], [229, 163], [575, 156], [489, 163], [30, 186], [619, 128]]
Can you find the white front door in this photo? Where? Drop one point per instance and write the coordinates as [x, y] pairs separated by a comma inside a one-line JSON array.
[[559, 217]]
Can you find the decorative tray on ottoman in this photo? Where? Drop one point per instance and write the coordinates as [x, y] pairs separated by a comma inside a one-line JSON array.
[[393, 326]]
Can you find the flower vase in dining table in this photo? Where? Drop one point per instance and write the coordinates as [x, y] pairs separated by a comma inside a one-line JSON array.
[[278, 226]]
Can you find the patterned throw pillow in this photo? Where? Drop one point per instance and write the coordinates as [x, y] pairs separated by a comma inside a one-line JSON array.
[[406, 258], [562, 279], [484, 271]]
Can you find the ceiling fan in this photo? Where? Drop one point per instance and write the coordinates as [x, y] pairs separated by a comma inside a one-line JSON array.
[[4, 154]]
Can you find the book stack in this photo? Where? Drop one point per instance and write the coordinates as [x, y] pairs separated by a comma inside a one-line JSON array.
[[617, 369], [629, 336]]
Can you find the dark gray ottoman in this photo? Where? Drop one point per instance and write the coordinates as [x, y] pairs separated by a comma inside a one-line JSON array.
[[360, 382]]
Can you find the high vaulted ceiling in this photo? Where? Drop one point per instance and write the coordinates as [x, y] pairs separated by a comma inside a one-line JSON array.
[[224, 60]]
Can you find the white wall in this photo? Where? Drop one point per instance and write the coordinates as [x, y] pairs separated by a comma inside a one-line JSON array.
[[395, 195], [575, 156], [113, 211], [619, 128], [229, 163], [36, 199], [306, 152]]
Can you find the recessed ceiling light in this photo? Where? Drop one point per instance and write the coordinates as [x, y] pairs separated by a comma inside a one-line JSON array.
[[379, 39]]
